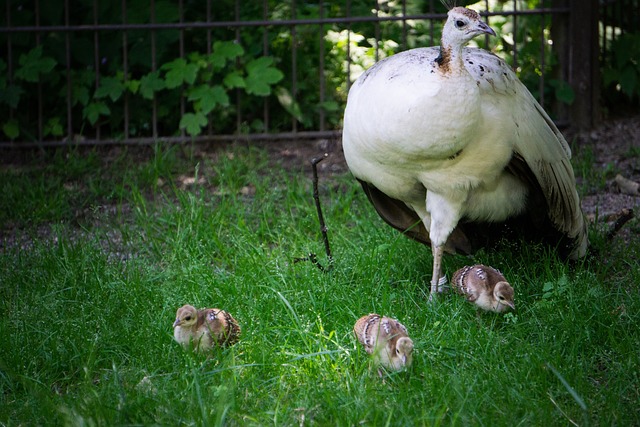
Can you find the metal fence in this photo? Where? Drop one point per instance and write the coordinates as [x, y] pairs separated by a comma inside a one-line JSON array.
[[80, 38]]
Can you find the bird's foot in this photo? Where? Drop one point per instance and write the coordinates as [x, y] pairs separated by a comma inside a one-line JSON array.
[[440, 286]]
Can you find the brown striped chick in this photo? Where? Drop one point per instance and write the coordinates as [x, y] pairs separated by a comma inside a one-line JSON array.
[[484, 286], [386, 339], [201, 330]]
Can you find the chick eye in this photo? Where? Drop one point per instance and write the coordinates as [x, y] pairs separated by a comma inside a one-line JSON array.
[[187, 318], [460, 23], [501, 298]]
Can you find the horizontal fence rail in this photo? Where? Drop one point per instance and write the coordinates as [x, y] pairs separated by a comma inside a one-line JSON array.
[[101, 54]]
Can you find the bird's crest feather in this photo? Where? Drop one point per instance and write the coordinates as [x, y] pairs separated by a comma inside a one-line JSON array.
[[449, 4]]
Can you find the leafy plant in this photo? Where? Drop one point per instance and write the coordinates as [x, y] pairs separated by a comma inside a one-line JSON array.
[[623, 72]]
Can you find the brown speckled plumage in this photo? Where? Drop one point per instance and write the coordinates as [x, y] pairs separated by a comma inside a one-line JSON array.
[[386, 339], [204, 329], [484, 286]]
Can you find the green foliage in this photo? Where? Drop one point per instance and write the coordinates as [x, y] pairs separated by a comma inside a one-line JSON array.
[[33, 65], [211, 78], [623, 71]]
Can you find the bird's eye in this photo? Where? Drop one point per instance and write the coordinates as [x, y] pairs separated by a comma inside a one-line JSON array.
[[460, 23], [187, 318], [501, 298]]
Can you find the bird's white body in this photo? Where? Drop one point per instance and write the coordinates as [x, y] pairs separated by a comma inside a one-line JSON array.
[[444, 135], [402, 134]]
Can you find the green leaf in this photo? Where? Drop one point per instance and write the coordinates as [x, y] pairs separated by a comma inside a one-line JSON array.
[[150, 84], [133, 86], [610, 75], [79, 94], [563, 91], [11, 96], [32, 65], [223, 52], [233, 80], [53, 127], [207, 97], [193, 123], [111, 87], [11, 129], [628, 80], [94, 110], [179, 71], [261, 76]]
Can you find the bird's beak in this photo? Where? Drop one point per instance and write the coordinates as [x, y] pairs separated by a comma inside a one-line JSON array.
[[484, 28], [404, 360], [176, 323]]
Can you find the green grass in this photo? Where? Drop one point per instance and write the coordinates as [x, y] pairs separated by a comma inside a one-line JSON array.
[[86, 309]]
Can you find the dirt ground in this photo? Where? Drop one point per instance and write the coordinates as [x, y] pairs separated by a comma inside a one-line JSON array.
[[612, 148], [614, 145]]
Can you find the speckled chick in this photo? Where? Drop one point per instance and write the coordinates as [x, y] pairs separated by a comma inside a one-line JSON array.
[[484, 286], [201, 330], [386, 340]]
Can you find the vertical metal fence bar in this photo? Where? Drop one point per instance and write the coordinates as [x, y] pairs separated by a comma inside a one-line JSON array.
[[542, 54], [40, 101], [67, 48], [181, 48], [154, 67], [238, 94], [96, 59], [515, 34], [404, 24], [125, 69], [294, 64], [265, 52], [209, 50], [487, 40], [376, 27], [9, 50], [603, 32], [321, 112], [348, 12], [432, 29]]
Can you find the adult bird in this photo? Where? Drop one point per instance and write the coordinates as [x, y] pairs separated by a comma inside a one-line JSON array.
[[452, 149]]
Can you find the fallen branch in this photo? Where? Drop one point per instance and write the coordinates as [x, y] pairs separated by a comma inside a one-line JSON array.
[[323, 227], [625, 216]]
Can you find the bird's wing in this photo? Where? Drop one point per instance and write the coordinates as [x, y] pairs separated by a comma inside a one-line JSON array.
[[401, 217], [538, 144], [396, 213]]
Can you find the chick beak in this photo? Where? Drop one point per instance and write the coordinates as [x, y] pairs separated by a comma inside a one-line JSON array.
[[176, 323]]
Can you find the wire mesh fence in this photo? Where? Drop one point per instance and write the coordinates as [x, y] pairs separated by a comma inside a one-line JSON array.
[[144, 71]]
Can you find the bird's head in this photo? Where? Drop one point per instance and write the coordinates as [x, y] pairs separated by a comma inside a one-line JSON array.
[[503, 294], [186, 316], [462, 25], [404, 350]]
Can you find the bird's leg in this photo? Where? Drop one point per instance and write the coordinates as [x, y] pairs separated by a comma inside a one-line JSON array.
[[437, 269], [445, 213]]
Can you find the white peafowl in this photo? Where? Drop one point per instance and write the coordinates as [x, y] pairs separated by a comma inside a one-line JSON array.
[[452, 149]]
